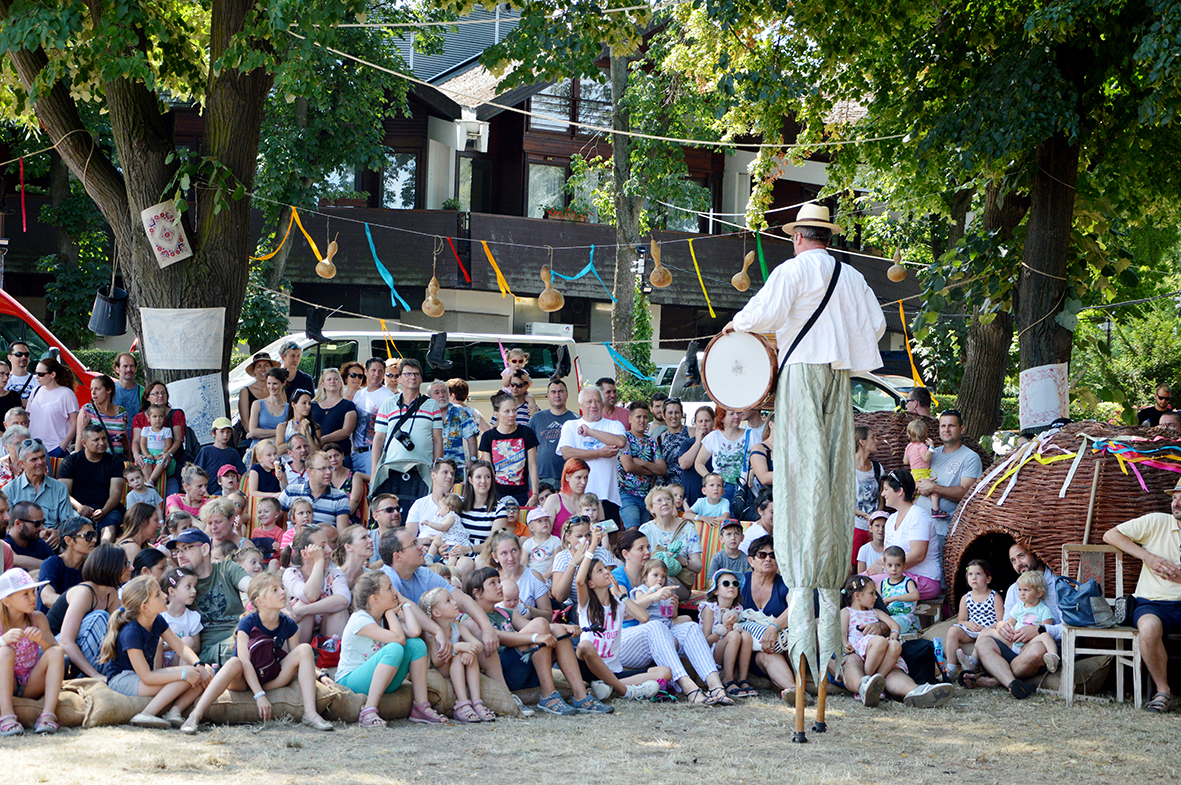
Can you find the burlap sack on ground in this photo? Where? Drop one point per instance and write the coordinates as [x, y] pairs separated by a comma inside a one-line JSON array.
[[71, 708]]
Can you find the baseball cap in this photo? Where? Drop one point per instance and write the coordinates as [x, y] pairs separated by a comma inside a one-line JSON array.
[[873, 516], [16, 580], [535, 513], [229, 467], [189, 537], [730, 523], [221, 422]]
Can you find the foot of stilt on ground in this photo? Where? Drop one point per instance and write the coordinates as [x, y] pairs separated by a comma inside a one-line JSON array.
[[819, 727], [799, 738]]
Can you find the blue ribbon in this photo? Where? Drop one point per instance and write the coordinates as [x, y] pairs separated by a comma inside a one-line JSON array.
[[589, 269], [626, 365], [395, 298]]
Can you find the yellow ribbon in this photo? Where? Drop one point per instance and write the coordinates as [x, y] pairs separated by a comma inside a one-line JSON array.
[[287, 234], [311, 242], [701, 281], [918, 380], [500, 280], [1021, 465], [390, 346]]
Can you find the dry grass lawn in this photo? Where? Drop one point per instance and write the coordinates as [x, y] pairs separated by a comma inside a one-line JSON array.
[[981, 737]]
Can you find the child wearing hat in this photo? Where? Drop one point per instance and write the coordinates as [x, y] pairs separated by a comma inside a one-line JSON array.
[[229, 480], [541, 545], [732, 645], [730, 557], [32, 664], [213, 457]]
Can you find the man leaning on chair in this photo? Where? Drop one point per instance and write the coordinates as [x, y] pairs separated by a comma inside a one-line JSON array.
[[1155, 539]]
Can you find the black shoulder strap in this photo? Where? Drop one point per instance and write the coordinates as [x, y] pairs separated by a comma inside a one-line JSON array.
[[832, 285], [877, 471]]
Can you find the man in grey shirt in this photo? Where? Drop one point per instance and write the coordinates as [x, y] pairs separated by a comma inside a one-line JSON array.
[[547, 425], [955, 467]]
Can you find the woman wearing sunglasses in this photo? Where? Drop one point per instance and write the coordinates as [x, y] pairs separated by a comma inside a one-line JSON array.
[[64, 570], [353, 374], [765, 591], [53, 408]]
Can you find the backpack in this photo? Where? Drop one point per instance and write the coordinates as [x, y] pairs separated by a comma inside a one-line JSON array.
[[1082, 604]]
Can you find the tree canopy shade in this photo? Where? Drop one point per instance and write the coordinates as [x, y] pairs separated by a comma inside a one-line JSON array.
[[136, 60]]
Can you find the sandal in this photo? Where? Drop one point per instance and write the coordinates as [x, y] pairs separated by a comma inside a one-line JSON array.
[[464, 712], [1161, 703], [747, 690], [697, 698], [10, 726], [733, 690], [718, 697], [47, 724], [423, 713], [486, 714], [1021, 689], [369, 718]]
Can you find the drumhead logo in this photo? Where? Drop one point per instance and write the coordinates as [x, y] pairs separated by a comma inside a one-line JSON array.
[[737, 368]]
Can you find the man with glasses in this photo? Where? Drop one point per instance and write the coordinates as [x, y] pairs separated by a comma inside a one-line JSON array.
[[329, 504], [403, 558], [954, 469], [94, 479], [548, 427], [918, 401], [392, 375], [25, 534], [387, 515], [64, 570], [368, 400], [220, 588], [20, 379], [1150, 416], [35, 485], [407, 439]]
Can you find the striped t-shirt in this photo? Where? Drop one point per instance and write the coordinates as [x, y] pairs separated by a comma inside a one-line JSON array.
[[479, 521]]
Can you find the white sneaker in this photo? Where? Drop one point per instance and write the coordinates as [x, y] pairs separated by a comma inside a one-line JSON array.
[[601, 690], [871, 689], [929, 696], [639, 692], [525, 710]]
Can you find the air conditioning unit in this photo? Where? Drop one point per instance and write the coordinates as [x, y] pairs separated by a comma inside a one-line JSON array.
[[549, 328]]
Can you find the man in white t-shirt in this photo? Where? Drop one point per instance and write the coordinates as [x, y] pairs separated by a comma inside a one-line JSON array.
[[368, 401], [427, 508], [597, 441], [20, 379]]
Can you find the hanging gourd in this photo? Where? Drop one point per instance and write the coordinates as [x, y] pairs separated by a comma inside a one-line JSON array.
[[741, 281], [660, 277], [431, 304], [325, 268], [550, 299], [896, 272]]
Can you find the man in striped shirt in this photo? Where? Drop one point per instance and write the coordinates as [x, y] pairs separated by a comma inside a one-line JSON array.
[[329, 504], [402, 455]]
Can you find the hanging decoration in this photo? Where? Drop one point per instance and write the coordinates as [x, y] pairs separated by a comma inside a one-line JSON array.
[[701, 281], [626, 364], [660, 276], [741, 281], [914, 370], [500, 280], [290, 223], [431, 304], [395, 298], [588, 270], [550, 299], [326, 269], [897, 272], [165, 234], [459, 261], [762, 259]]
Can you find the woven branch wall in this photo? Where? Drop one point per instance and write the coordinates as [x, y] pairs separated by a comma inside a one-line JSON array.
[[890, 430], [1035, 516]]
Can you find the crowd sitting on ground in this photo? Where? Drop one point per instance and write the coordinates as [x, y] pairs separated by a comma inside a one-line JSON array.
[[544, 539]]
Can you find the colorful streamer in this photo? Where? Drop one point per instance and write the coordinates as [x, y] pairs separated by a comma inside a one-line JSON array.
[[386, 275], [701, 280], [762, 259], [459, 261], [585, 271], [626, 364], [311, 242], [500, 281], [918, 380], [290, 223]]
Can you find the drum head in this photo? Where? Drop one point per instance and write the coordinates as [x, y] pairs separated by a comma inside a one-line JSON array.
[[737, 370]]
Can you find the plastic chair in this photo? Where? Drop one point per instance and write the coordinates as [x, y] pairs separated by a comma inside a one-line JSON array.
[[1092, 562]]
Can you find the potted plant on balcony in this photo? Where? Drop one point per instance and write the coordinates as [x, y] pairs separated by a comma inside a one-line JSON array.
[[576, 211]]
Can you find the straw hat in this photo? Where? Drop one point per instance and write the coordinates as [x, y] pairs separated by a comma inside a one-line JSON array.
[[812, 215], [261, 357]]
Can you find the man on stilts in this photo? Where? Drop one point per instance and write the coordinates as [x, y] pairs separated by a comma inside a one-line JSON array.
[[827, 323]]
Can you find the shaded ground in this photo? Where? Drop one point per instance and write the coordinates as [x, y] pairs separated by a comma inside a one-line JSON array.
[[982, 736]]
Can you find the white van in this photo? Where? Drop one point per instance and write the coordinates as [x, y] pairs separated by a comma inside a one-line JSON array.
[[474, 357]]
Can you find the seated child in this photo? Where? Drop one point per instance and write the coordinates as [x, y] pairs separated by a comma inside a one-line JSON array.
[[319, 592], [544, 491], [657, 598], [870, 555], [730, 557], [463, 668], [1032, 611], [250, 559], [454, 542], [732, 645], [228, 480], [712, 504], [590, 506], [882, 656], [980, 608], [138, 490], [541, 546], [678, 492], [267, 515], [32, 663], [899, 591], [222, 551], [179, 584]]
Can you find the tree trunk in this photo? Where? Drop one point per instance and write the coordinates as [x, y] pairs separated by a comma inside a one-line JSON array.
[[1042, 288], [986, 358], [627, 215]]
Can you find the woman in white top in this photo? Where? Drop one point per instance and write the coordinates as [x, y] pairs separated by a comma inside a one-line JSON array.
[[53, 408], [727, 447], [911, 528], [503, 551]]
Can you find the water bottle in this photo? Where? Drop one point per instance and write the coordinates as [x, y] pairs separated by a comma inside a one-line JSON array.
[[940, 659]]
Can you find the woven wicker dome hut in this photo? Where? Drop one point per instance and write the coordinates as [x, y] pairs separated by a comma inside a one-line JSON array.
[[1035, 516]]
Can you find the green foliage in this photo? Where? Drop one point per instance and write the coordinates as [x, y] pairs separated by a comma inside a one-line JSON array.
[[264, 316], [640, 351]]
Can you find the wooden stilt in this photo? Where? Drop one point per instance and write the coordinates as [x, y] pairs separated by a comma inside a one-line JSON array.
[[821, 695], [798, 737]]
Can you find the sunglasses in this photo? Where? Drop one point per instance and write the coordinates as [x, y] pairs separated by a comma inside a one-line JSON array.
[[729, 584], [518, 386], [90, 536], [30, 442], [356, 376], [765, 555], [388, 510], [673, 401], [36, 524], [39, 374], [578, 520], [18, 354], [391, 376]]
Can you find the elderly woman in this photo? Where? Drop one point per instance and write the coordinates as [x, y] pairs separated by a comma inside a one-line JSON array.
[[10, 464], [765, 591], [196, 489], [257, 389], [53, 408], [353, 374], [79, 617], [673, 540], [911, 528], [157, 394], [333, 413]]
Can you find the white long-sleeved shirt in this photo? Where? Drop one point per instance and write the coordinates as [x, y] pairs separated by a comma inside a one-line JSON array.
[[846, 334]]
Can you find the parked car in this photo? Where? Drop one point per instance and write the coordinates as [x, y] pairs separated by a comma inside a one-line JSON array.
[[17, 324], [664, 375]]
